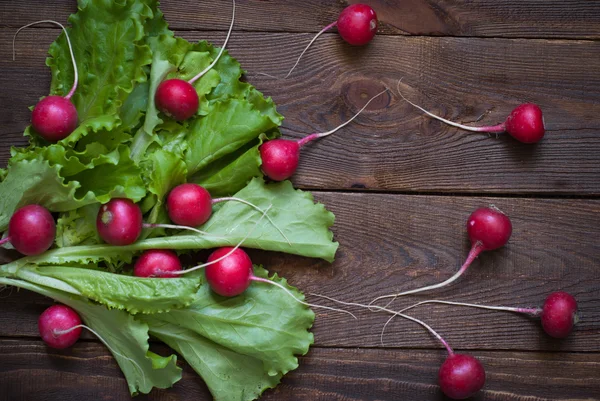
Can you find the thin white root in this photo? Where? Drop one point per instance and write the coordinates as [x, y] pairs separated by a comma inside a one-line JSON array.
[[264, 280], [228, 253], [216, 60], [76, 74]]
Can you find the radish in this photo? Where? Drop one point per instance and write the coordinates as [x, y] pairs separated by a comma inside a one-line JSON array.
[[54, 117], [177, 98], [31, 230], [558, 314], [280, 156], [60, 326], [357, 25], [525, 123], [119, 222], [459, 377], [157, 263], [488, 229], [191, 205], [229, 272]]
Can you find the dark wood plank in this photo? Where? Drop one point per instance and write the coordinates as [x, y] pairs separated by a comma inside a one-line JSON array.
[[391, 243], [491, 18], [87, 371], [392, 146]]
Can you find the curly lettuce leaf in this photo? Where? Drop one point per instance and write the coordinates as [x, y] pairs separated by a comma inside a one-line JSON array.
[[78, 227], [108, 44], [126, 338], [304, 223], [241, 345], [133, 294]]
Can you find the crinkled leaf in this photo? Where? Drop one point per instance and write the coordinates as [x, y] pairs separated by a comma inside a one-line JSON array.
[[229, 126], [77, 227], [107, 38], [229, 376], [261, 330], [133, 294], [126, 337], [305, 224]]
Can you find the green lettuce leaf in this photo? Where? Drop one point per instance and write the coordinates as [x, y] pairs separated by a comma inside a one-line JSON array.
[[126, 338], [304, 223], [77, 227], [133, 294], [240, 345]]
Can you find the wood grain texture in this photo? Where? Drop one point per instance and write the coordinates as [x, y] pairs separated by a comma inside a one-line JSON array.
[[391, 243], [87, 371], [495, 18], [392, 146]]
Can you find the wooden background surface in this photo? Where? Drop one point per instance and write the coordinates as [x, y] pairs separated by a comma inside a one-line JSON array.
[[400, 184]]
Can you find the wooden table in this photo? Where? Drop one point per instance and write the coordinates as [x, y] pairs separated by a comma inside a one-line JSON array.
[[401, 185]]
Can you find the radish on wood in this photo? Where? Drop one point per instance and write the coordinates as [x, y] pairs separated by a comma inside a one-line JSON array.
[[31, 230], [488, 229], [357, 25], [459, 377], [558, 314], [525, 123], [178, 98], [54, 117], [280, 156]]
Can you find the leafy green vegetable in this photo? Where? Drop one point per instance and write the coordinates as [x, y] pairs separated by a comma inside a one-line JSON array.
[[126, 337], [134, 294], [253, 337]]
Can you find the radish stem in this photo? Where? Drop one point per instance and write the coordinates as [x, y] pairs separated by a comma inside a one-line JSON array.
[[314, 136], [76, 75], [309, 44]]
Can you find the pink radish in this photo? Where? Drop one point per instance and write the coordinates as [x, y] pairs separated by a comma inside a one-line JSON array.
[[177, 98], [229, 272], [459, 377], [280, 156], [119, 222], [56, 326], [357, 25], [54, 117], [191, 205], [157, 263], [558, 314], [525, 123], [488, 229], [31, 230]]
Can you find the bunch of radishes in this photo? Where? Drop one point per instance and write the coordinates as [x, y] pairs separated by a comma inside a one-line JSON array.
[[229, 270]]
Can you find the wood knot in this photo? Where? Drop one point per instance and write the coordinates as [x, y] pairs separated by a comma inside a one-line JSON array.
[[358, 93]]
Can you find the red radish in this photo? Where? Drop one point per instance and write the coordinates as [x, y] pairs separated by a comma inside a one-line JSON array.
[[229, 272], [488, 229], [56, 319], [459, 377], [119, 222], [280, 156], [157, 263], [191, 205], [559, 314], [54, 117], [31, 230], [525, 123], [357, 25], [177, 98]]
